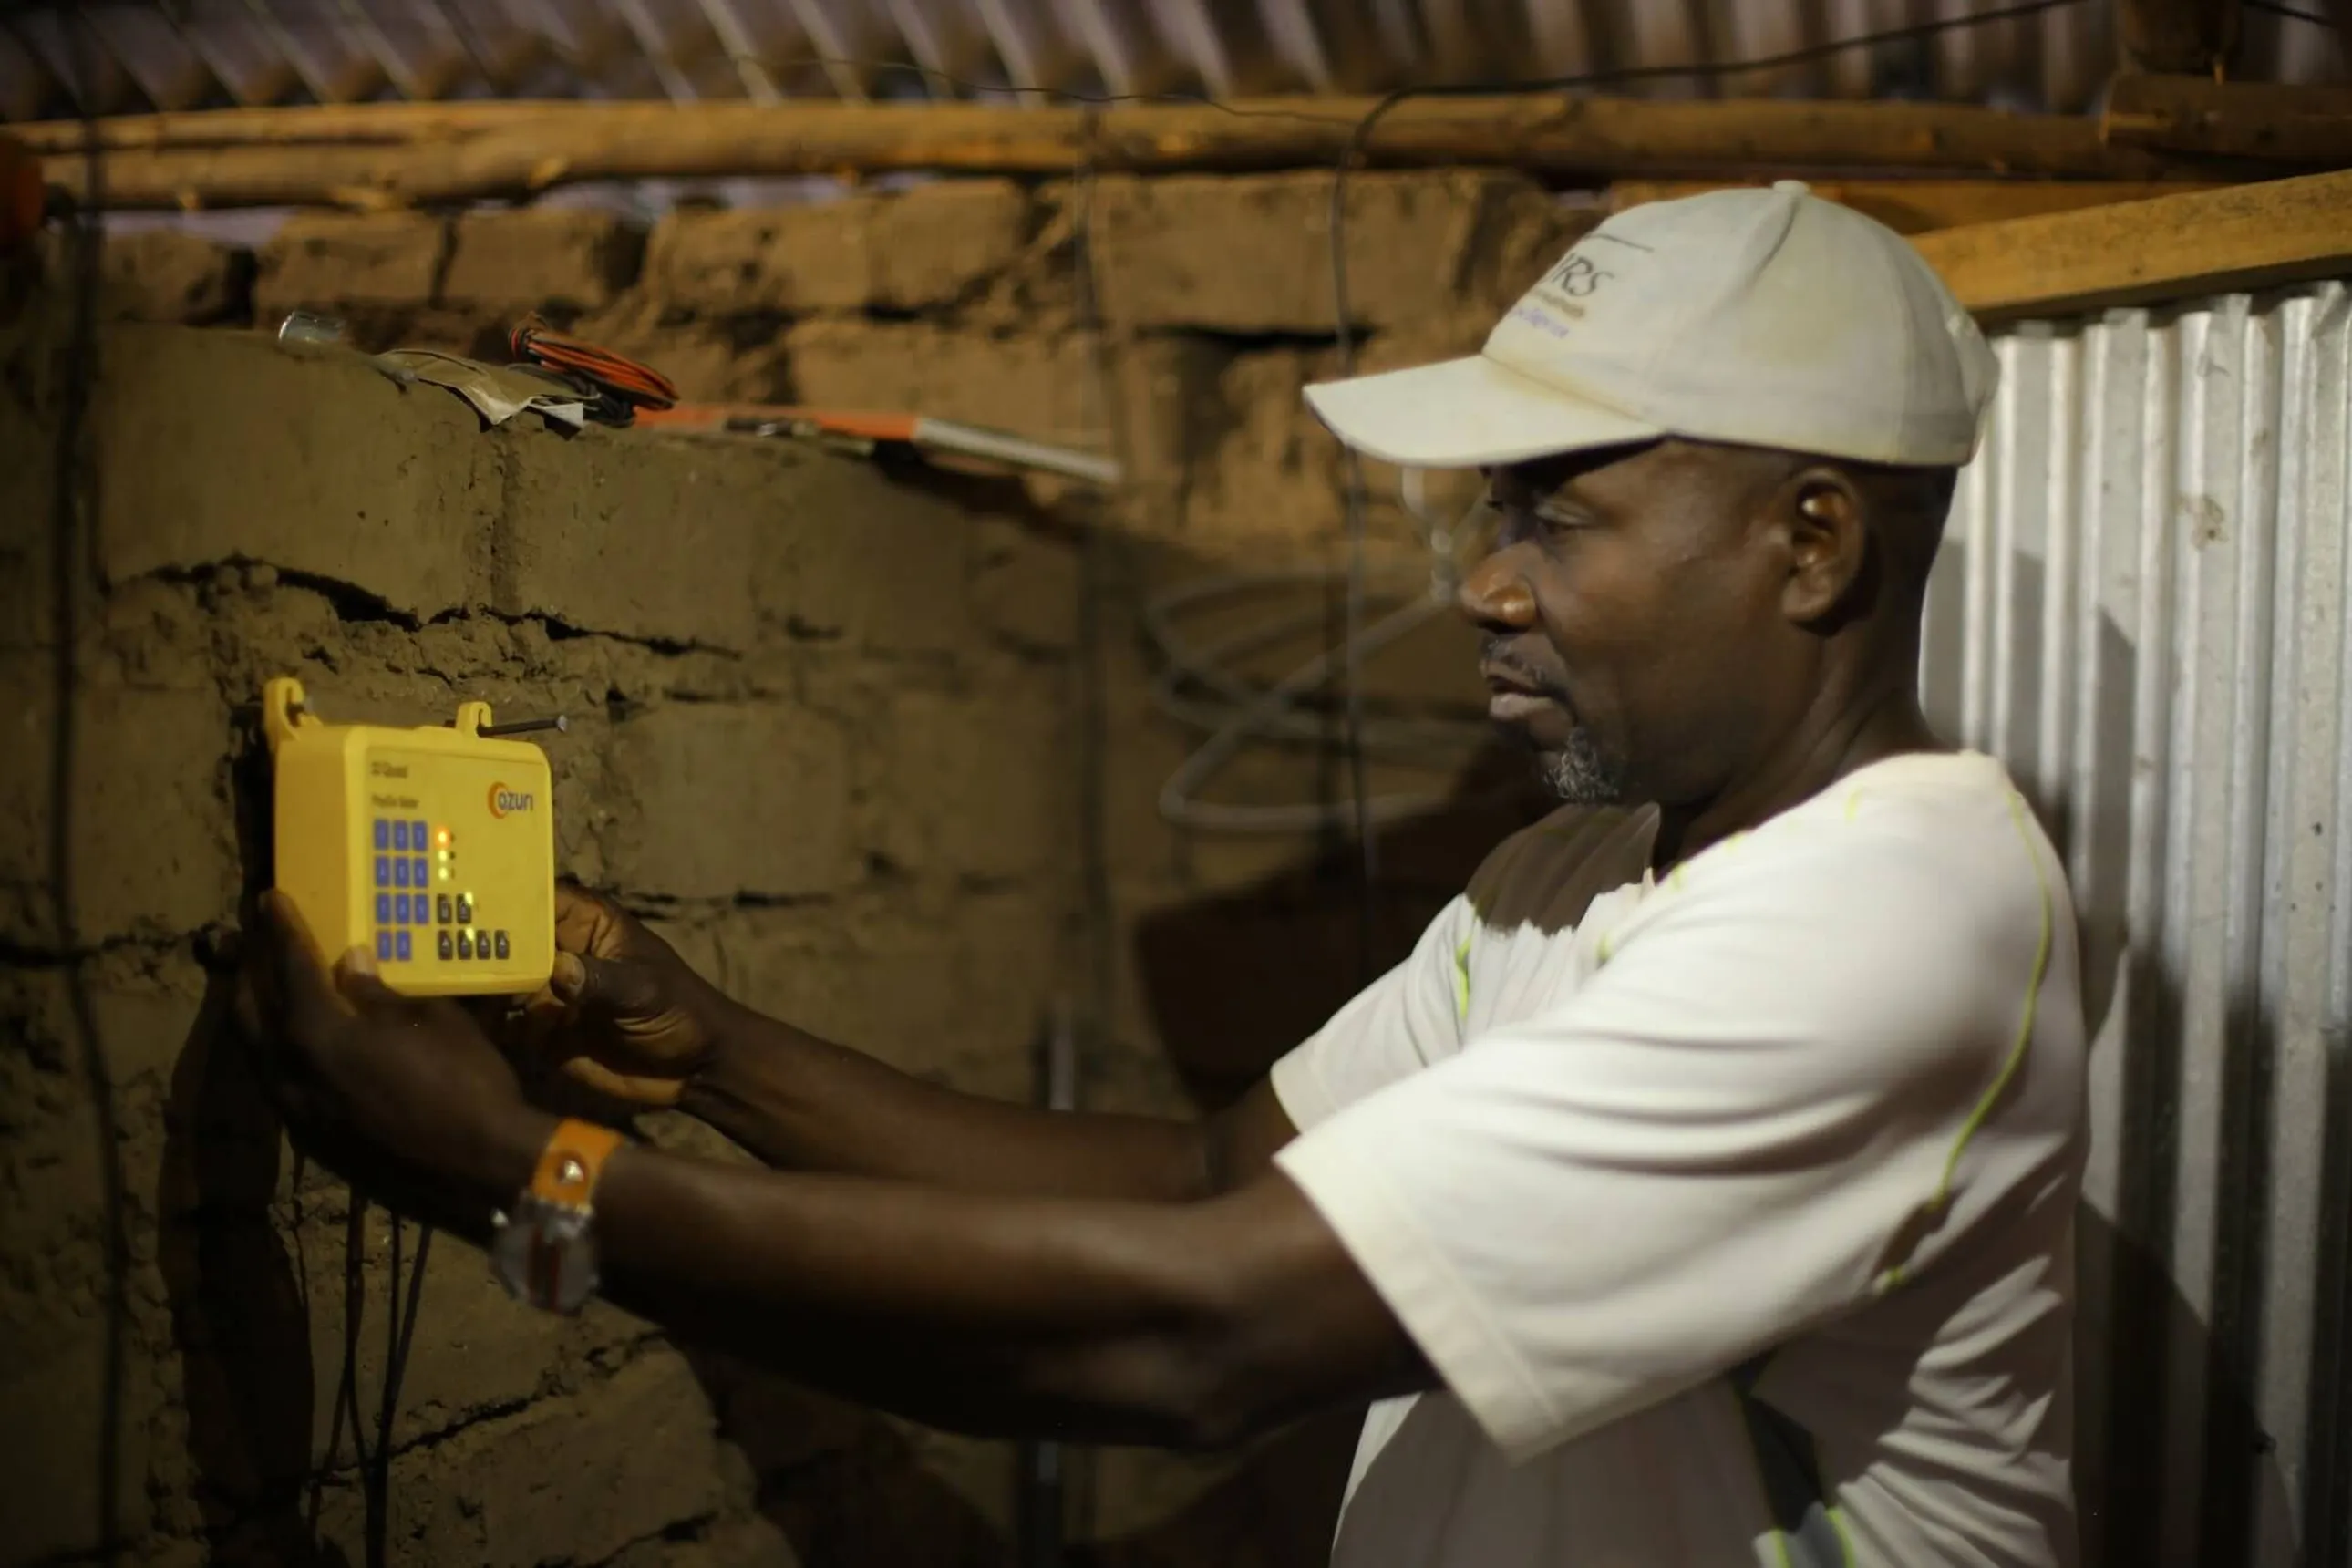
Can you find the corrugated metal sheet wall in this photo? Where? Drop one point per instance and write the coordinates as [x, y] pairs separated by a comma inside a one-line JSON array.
[[2142, 607]]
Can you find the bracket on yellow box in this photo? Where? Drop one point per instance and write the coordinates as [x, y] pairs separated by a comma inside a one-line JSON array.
[[433, 847]]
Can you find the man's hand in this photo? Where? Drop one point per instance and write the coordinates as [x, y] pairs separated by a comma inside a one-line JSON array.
[[380, 1081], [622, 1012]]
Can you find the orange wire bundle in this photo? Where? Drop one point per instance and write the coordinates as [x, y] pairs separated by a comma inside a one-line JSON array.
[[622, 379]]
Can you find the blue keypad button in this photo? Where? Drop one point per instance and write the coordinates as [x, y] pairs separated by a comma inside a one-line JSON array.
[[384, 946], [400, 870], [419, 875], [383, 908], [384, 870], [382, 834], [400, 910], [416, 839], [401, 948], [400, 836]]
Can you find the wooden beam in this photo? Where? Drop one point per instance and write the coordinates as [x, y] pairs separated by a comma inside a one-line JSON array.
[[2196, 36], [2303, 125], [2241, 237], [332, 124], [444, 156], [1920, 206]]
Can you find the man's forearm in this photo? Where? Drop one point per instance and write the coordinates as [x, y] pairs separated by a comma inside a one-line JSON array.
[[800, 1103], [1180, 1324]]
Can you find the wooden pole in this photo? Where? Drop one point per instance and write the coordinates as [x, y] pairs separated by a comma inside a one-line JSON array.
[[2241, 237], [1920, 206], [333, 124], [429, 154], [2300, 123]]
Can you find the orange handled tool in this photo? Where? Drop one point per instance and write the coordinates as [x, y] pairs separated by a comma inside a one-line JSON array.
[[919, 431]]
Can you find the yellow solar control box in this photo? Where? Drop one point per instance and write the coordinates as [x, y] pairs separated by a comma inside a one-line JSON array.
[[431, 847]]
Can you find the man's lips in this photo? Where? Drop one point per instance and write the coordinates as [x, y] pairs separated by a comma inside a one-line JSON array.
[[1508, 707], [1511, 695]]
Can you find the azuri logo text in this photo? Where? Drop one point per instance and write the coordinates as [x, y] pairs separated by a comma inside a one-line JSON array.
[[504, 800]]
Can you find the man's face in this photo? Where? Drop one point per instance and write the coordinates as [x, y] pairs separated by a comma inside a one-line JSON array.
[[1635, 637]]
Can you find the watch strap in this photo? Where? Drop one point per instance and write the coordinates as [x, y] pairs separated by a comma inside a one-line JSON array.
[[545, 1251], [572, 1162]]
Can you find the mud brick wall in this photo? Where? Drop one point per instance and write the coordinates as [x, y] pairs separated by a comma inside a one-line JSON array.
[[830, 730], [961, 299]]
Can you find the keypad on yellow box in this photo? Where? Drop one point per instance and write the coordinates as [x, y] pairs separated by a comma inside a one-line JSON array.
[[423, 912]]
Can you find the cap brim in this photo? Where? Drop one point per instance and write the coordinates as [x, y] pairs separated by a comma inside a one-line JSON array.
[[1466, 413]]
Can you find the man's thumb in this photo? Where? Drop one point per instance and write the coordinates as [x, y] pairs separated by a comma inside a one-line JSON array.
[[567, 977], [615, 988]]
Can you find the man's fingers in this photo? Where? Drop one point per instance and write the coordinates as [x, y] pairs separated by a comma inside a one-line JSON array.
[[249, 1004], [306, 988], [567, 978], [608, 987], [363, 989], [357, 978], [580, 920]]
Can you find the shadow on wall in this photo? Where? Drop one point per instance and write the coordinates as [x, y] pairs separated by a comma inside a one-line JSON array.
[[1231, 982], [2166, 1393], [854, 1490], [239, 1318], [1234, 982]]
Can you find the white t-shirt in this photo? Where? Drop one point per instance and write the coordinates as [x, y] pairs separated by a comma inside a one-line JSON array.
[[1736, 1209]]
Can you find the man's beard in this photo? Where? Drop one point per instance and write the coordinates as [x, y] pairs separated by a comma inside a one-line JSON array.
[[1577, 775]]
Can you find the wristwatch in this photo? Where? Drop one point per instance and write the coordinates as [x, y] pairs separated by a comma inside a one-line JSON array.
[[545, 1252]]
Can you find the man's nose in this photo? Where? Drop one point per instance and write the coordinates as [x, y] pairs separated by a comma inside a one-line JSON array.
[[1496, 596]]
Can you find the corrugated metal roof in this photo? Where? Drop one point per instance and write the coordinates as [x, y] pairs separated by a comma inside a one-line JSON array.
[[189, 54]]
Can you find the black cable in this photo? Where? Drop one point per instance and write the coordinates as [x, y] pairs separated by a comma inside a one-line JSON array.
[[1094, 705], [375, 1477], [347, 1391], [1352, 493], [400, 1333], [75, 477], [2292, 13]]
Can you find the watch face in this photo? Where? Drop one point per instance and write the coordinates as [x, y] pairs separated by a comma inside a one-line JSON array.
[[545, 1254]]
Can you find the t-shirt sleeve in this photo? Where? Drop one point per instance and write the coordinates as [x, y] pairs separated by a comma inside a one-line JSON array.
[[1401, 1022], [1731, 1134]]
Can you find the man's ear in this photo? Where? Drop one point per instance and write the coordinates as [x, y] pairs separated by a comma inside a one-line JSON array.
[[1829, 546]]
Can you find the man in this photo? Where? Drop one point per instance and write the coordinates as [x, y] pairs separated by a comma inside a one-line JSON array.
[[1698, 1192]]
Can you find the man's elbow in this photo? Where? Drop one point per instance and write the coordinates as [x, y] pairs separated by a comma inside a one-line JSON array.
[[1259, 1348], [1257, 1317], [1215, 1388], [1199, 1378]]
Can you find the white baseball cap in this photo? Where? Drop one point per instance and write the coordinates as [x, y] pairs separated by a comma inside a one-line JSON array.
[[1762, 317]]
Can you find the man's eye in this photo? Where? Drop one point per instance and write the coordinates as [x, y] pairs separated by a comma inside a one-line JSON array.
[[1557, 518]]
